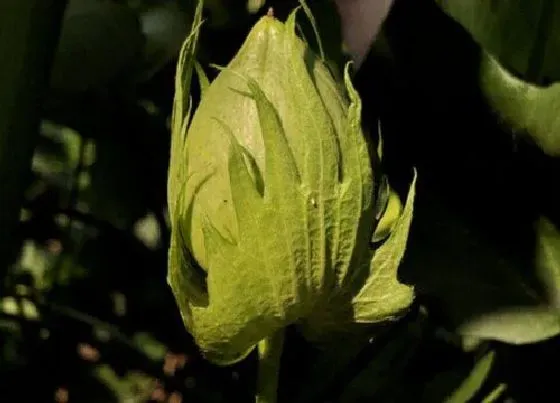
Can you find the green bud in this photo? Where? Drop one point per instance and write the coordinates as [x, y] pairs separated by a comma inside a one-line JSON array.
[[272, 198]]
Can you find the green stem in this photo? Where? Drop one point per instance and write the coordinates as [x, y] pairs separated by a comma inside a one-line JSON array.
[[270, 352], [29, 32]]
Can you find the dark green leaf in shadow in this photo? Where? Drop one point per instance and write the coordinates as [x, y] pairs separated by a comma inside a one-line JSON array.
[[516, 324], [548, 259], [478, 290], [471, 251], [382, 375], [525, 107], [100, 41], [469, 384], [117, 191], [57, 155], [522, 34]]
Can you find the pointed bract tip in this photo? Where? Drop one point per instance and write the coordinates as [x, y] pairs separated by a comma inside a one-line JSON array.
[[270, 12]]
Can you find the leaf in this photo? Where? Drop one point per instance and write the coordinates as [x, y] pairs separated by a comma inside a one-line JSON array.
[[472, 384], [471, 246], [311, 19], [525, 107], [461, 383], [548, 259], [495, 394], [516, 325], [522, 34], [99, 42], [182, 106], [326, 23], [57, 154], [477, 290], [520, 324], [202, 78], [383, 296], [387, 368]]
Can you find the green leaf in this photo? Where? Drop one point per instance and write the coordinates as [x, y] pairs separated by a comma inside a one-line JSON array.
[[387, 370], [461, 383], [182, 106], [472, 384], [495, 394], [383, 297], [548, 259], [480, 291], [522, 34], [311, 19], [525, 107], [99, 42], [326, 23], [202, 78], [521, 324], [515, 324]]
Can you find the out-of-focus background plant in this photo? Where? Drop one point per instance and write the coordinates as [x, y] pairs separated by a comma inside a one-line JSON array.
[[466, 92]]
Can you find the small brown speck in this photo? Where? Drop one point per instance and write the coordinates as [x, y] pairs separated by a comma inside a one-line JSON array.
[[54, 246], [88, 352], [175, 398], [173, 362], [182, 360], [169, 364], [61, 395], [158, 394]]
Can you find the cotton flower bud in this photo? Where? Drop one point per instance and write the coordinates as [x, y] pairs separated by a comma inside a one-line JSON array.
[[272, 194]]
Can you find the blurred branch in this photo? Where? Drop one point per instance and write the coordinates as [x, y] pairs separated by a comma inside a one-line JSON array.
[[29, 32], [70, 205], [137, 359]]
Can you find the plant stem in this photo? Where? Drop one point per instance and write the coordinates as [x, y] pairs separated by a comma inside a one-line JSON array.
[[29, 32], [270, 352]]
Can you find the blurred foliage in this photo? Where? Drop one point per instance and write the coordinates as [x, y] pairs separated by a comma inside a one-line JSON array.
[[523, 35], [518, 77], [87, 316]]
